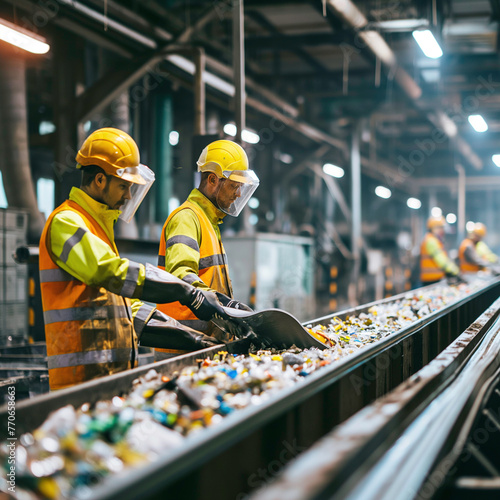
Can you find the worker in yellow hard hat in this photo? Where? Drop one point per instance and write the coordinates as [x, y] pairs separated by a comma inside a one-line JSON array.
[[473, 259], [89, 293], [435, 264], [482, 248], [190, 244]]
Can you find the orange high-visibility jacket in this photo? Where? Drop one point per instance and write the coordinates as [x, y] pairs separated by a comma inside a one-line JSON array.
[[88, 329], [465, 265], [434, 261], [210, 269]]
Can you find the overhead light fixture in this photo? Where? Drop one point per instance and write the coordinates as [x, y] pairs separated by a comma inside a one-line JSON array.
[[429, 45], [286, 158], [173, 138], [246, 135], [436, 212], [478, 123], [22, 38], [401, 24], [414, 203], [333, 170], [496, 160], [451, 218], [469, 226], [253, 203], [383, 192]]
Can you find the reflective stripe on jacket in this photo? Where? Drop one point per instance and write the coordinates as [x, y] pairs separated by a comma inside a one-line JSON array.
[[88, 328], [191, 249], [467, 255], [434, 261]]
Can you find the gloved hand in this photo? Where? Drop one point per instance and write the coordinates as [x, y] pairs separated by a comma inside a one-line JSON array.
[[495, 270], [204, 305], [161, 287], [454, 280], [167, 333], [234, 304]]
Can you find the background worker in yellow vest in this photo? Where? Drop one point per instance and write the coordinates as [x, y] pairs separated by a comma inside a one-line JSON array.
[[89, 293], [190, 246], [482, 248], [470, 259], [434, 261]]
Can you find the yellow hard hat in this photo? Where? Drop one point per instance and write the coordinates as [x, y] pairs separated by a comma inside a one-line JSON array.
[[114, 151], [479, 229], [228, 160], [435, 222], [222, 156]]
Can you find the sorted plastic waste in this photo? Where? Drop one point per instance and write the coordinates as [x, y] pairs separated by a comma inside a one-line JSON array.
[[74, 449]]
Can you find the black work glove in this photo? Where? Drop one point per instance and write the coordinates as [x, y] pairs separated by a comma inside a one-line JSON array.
[[160, 287], [204, 304], [166, 333], [455, 279], [234, 304]]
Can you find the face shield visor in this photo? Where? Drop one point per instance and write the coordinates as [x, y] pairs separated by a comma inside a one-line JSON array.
[[142, 178], [236, 188]]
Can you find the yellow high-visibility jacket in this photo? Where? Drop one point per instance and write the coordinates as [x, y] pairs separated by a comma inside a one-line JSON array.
[[485, 253], [86, 294], [434, 261]]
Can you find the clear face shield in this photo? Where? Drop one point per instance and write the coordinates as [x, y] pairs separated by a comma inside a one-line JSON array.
[[142, 178], [236, 188]]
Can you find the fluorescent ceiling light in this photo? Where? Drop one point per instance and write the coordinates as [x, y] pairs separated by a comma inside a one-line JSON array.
[[22, 38], [333, 170], [414, 203], [401, 24], [436, 212], [451, 218], [45, 127], [496, 160], [250, 137], [253, 219], [173, 138], [429, 45], [246, 135], [286, 158], [383, 192], [478, 123], [253, 203], [470, 226]]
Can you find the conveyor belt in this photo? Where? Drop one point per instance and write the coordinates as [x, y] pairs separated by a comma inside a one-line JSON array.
[[416, 442], [225, 458]]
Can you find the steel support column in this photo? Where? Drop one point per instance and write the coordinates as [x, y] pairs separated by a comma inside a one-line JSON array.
[[461, 203], [356, 237], [199, 93], [239, 67]]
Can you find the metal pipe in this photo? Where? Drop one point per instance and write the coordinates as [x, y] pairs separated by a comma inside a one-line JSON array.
[[461, 203], [14, 151], [356, 203], [199, 93], [375, 43], [239, 67]]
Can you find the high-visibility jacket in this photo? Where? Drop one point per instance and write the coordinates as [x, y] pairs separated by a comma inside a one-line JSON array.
[[85, 284], [434, 261], [485, 253], [468, 257], [191, 249]]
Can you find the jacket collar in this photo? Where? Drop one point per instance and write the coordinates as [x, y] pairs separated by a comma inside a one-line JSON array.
[[214, 215], [105, 216]]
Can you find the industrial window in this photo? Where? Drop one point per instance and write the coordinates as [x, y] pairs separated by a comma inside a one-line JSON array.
[[45, 196], [3, 198]]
